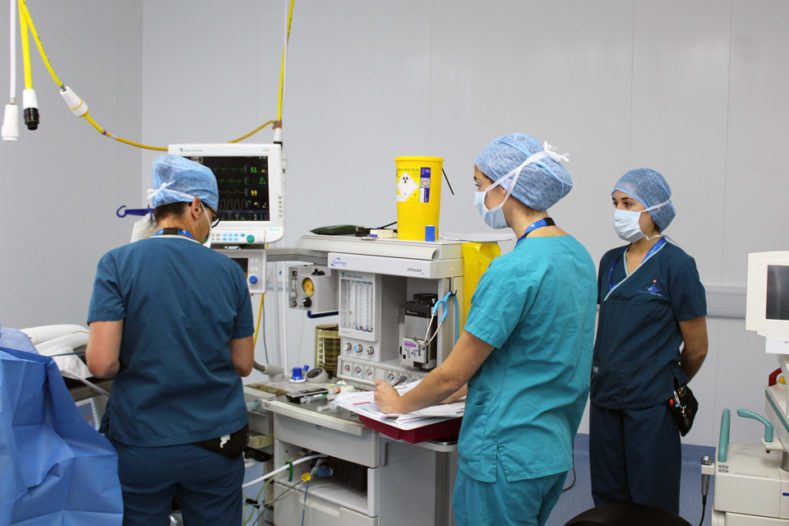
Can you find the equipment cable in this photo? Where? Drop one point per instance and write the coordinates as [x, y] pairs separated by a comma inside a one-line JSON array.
[[80, 111]]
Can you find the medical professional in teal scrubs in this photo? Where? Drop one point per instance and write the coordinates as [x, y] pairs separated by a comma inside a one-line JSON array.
[[651, 336], [171, 322], [526, 349]]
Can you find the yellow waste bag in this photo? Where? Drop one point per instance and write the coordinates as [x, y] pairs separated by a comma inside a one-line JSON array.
[[476, 259]]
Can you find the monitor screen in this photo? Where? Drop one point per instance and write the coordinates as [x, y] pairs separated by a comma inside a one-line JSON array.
[[777, 292], [243, 263], [243, 186]]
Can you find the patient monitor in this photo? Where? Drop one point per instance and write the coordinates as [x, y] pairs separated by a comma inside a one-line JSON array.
[[250, 181]]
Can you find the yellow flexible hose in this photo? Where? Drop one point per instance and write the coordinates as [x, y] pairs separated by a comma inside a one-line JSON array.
[[282, 64], [29, 20], [253, 132], [106, 133], [25, 35], [257, 323], [27, 23]]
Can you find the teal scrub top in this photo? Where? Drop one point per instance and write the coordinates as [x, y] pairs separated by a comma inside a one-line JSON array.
[[637, 350], [536, 307], [181, 304]]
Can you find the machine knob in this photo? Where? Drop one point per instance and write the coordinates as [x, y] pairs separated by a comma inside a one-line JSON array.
[[306, 303], [390, 377], [369, 372], [348, 347], [357, 370], [358, 348], [250, 238], [347, 368], [253, 279], [370, 349]]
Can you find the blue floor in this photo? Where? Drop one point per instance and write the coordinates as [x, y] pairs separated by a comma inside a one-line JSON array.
[[579, 498]]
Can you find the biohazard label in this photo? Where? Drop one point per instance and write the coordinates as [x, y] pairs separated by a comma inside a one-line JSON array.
[[406, 186]]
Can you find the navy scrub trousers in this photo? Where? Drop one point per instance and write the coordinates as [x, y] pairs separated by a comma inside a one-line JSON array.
[[635, 456], [207, 485]]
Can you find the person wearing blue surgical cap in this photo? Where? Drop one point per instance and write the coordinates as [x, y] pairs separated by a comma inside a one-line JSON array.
[[526, 350], [651, 340], [171, 322]]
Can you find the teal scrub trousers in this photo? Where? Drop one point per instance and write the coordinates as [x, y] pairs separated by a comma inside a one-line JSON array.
[[525, 502]]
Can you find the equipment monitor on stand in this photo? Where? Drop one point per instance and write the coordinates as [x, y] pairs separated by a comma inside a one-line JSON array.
[[250, 181]]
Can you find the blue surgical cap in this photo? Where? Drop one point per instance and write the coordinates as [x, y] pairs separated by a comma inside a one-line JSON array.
[[650, 189], [541, 184], [179, 180]]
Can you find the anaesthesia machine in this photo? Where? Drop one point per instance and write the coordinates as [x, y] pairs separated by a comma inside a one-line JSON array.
[[396, 305]]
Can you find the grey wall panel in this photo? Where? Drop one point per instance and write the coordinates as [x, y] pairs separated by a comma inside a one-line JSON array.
[[60, 185], [358, 96], [757, 184], [680, 94]]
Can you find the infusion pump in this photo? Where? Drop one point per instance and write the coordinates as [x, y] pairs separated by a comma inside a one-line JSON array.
[[250, 178]]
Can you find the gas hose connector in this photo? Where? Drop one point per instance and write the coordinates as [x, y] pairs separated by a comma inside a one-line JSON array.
[[74, 102], [30, 109], [10, 129]]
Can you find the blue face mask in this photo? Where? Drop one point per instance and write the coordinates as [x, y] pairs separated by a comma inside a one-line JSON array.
[[493, 218]]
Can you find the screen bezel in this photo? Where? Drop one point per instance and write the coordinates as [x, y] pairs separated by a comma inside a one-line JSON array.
[[274, 228], [756, 295]]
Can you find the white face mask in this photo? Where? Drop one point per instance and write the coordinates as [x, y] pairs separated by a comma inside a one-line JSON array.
[[627, 226], [494, 217], [627, 223]]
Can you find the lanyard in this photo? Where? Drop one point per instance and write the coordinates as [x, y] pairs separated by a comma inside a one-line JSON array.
[[173, 232], [657, 246], [541, 223]]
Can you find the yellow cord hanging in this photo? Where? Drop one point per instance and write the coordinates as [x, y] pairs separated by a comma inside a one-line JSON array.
[[253, 132], [27, 20], [257, 323], [24, 33], [282, 63]]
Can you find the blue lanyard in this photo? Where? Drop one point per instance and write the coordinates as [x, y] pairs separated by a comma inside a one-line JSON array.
[[173, 232], [541, 223], [655, 248]]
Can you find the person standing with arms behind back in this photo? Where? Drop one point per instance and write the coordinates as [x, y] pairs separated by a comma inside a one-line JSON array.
[[526, 349], [652, 303], [171, 321]]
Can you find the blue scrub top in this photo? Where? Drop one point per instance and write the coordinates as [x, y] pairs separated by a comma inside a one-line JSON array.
[[181, 304], [536, 307], [637, 351]]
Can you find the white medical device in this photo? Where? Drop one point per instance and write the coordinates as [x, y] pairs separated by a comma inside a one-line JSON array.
[[376, 481], [252, 263], [752, 481], [376, 278], [251, 186]]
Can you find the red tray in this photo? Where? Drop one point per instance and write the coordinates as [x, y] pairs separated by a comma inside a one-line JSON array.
[[444, 430]]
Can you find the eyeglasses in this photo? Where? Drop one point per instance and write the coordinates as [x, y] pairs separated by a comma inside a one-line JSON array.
[[217, 219]]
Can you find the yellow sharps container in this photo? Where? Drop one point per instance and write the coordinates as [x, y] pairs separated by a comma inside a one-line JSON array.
[[418, 197]]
